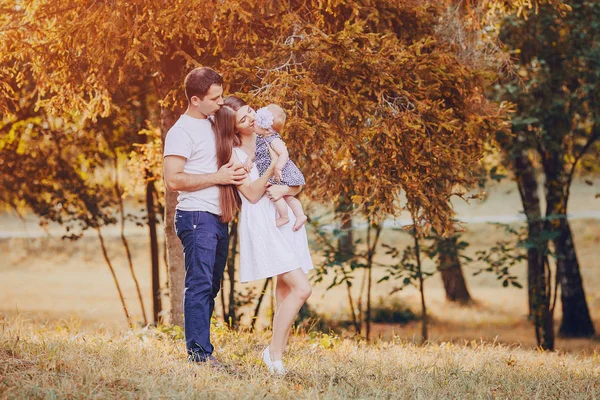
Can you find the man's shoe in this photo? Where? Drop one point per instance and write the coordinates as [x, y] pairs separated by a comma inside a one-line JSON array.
[[211, 362], [215, 364]]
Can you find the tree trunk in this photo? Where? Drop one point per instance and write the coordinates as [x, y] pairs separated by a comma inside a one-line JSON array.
[[538, 275], [451, 271], [371, 248], [346, 249], [233, 243], [174, 247], [576, 320], [528, 190], [258, 304], [425, 319], [154, 269], [343, 211], [126, 243], [114, 276]]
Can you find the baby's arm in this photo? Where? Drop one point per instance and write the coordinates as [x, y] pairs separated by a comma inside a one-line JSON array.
[[279, 147]]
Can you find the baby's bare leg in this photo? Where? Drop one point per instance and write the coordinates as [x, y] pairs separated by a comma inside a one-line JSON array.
[[298, 211], [282, 210]]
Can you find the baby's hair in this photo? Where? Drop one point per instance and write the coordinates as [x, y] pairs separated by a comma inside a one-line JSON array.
[[278, 117]]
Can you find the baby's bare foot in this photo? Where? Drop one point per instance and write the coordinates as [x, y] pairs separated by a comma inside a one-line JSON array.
[[301, 220], [281, 221]]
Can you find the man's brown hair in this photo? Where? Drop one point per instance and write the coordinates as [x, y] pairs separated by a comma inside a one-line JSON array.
[[199, 80]]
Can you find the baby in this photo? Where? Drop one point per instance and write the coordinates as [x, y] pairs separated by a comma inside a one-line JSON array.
[[268, 124]]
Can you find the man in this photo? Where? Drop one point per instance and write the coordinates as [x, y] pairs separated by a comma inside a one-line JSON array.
[[190, 167]]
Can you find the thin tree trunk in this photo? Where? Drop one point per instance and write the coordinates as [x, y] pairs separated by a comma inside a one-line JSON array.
[[154, 270], [233, 243], [257, 308], [176, 266], [223, 305], [361, 292], [576, 320], [114, 275], [537, 251], [368, 316], [425, 321], [272, 301], [451, 271], [176, 261], [161, 211], [346, 249], [126, 243], [539, 274], [355, 321], [371, 248]]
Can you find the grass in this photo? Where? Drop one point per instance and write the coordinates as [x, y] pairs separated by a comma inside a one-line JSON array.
[[63, 360], [47, 279], [63, 335]]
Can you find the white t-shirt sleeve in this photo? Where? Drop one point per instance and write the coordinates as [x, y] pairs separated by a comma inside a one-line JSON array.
[[178, 143]]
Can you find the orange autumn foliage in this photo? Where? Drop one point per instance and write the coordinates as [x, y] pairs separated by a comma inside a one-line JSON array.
[[378, 103]]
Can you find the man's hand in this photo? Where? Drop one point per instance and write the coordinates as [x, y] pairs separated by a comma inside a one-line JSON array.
[[231, 174]]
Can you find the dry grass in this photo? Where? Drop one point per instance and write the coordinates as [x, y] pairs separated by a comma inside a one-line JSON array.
[[62, 360], [63, 335], [46, 279]]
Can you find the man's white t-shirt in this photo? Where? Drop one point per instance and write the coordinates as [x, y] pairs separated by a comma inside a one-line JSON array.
[[194, 139]]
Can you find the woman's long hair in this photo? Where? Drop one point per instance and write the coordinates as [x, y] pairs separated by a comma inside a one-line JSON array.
[[235, 103], [226, 139]]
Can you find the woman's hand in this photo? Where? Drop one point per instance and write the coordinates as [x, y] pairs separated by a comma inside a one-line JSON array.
[[248, 164], [276, 192]]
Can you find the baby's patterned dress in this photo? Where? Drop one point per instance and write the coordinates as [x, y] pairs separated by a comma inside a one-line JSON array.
[[290, 172]]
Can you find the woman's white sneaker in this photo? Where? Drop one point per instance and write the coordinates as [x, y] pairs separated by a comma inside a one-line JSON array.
[[266, 356], [278, 367], [274, 367]]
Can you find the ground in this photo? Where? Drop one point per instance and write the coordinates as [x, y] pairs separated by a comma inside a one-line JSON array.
[[64, 334], [46, 278]]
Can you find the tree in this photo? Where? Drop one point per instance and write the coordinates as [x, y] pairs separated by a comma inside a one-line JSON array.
[[449, 265], [144, 170], [558, 117], [420, 124]]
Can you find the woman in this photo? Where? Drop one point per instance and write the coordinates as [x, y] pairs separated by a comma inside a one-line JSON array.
[[265, 250]]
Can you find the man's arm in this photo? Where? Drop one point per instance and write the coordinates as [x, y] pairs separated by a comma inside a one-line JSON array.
[[177, 180]]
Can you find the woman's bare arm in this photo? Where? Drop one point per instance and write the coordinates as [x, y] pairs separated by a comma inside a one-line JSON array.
[[276, 192], [253, 191]]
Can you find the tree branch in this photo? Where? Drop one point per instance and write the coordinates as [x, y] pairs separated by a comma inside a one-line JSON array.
[[595, 136]]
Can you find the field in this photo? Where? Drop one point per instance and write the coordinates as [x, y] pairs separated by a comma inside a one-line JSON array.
[[64, 334], [63, 360]]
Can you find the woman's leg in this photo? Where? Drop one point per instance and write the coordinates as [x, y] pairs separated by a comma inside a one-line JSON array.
[[298, 290], [282, 290]]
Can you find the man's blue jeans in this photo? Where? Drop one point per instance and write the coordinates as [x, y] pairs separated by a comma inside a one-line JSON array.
[[205, 245]]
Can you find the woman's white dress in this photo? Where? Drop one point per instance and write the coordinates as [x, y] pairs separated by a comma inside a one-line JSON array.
[[265, 249]]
